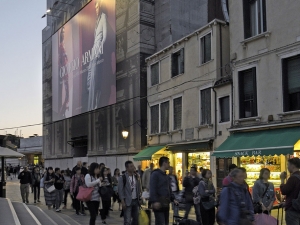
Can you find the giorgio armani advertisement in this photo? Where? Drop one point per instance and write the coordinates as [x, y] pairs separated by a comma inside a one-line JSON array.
[[84, 61]]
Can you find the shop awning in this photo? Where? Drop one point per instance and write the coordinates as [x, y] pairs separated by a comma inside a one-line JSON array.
[[146, 153], [264, 142], [194, 146]]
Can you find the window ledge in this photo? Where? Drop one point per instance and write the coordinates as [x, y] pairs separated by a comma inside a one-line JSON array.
[[158, 134], [257, 118], [177, 75], [259, 36], [176, 131], [204, 126], [288, 113], [203, 64]]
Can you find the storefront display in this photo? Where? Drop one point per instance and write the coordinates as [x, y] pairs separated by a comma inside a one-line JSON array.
[[201, 159], [253, 165]]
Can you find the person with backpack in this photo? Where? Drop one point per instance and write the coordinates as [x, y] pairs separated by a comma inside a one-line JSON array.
[[77, 181], [129, 189], [292, 192], [236, 206], [189, 183]]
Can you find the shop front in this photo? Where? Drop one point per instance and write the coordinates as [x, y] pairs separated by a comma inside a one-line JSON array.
[[259, 149]]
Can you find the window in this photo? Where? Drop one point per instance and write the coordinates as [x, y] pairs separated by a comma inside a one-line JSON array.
[[178, 63], [254, 17], [224, 109], [291, 83], [247, 92], [154, 74], [164, 117], [155, 119], [206, 48], [177, 104], [205, 106]]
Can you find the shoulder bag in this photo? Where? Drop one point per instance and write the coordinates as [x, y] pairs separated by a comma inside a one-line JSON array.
[[85, 193], [256, 205]]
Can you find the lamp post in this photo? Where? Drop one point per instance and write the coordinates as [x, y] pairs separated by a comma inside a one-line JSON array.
[[125, 134]]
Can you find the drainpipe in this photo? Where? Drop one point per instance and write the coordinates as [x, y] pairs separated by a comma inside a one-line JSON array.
[[216, 118]]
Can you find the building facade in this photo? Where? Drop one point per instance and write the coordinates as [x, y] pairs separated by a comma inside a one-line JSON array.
[[32, 148]]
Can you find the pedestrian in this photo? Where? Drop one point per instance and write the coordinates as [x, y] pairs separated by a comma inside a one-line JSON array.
[[236, 206], [175, 189], [25, 181], [50, 197], [15, 171], [227, 180], [101, 166], [11, 172], [200, 172], [92, 180], [76, 182], [36, 178], [207, 192], [106, 192], [291, 191], [140, 171], [78, 165], [115, 181], [161, 193], [84, 169], [263, 193], [189, 182], [129, 188], [59, 188], [146, 177], [67, 178]]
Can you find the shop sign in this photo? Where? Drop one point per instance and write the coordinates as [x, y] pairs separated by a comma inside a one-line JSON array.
[[247, 153]]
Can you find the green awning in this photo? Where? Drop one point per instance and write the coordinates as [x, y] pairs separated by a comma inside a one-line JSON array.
[[264, 142], [194, 146], [146, 153]]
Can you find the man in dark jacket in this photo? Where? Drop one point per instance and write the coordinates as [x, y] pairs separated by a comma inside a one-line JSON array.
[[291, 190], [84, 169], [25, 181], [160, 192], [189, 183], [79, 165]]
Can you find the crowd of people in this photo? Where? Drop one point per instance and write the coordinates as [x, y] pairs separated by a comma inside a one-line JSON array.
[[235, 205]]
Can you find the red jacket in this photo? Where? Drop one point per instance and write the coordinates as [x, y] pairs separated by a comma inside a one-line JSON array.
[[291, 190], [74, 182]]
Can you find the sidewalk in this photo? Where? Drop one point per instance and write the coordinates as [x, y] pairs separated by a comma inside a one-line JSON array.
[[13, 193]]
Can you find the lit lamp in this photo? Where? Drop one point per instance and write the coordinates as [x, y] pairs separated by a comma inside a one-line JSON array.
[[125, 134]]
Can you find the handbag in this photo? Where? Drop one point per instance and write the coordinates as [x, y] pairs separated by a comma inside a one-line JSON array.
[[264, 219], [51, 189], [103, 191], [143, 218], [164, 202], [257, 206], [85, 194]]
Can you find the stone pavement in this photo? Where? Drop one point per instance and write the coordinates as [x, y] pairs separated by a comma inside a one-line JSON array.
[[13, 193]]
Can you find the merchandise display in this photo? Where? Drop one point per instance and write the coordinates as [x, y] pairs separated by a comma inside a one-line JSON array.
[[199, 160]]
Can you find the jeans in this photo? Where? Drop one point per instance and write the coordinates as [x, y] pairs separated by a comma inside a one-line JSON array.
[[59, 197], [36, 190], [24, 188], [292, 217], [131, 211], [208, 216], [105, 209], [93, 207], [161, 217], [188, 207]]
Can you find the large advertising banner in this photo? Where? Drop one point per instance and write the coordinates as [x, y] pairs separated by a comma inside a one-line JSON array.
[[84, 61]]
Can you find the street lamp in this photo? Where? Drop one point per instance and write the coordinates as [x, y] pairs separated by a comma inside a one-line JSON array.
[[125, 134]]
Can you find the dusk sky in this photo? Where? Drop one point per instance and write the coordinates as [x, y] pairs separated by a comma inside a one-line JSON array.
[[21, 65]]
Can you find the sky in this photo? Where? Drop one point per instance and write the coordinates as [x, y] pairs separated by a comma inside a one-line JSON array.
[[21, 65]]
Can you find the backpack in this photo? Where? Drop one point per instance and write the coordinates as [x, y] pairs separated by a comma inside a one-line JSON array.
[[197, 196], [296, 201]]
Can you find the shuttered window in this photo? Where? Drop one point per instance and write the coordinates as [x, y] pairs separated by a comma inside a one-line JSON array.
[[247, 93], [255, 21], [154, 74], [178, 63], [205, 106], [206, 48], [155, 119], [177, 104], [291, 83], [224, 109], [164, 117]]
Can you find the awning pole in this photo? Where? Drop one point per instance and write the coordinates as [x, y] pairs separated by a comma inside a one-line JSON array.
[[2, 172]]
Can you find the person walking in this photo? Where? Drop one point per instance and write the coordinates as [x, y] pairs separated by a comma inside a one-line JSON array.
[[11, 172], [77, 181], [36, 178], [67, 178], [207, 191], [161, 193], [175, 189], [59, 188], [92, 180], [106, 192], [129, 188], [84, 169], [189, 182], [263, 193], [115, 181], [236, 206], [291, 190], [140, 171], [50, 197], [146, 177], [78, 165], [25, 181]]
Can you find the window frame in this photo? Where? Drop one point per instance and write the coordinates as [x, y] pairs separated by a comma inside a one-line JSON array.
[[150, 69], [181, 53], [159, 115], [173, 111], [200, 104], [220, 109], [201, 49]]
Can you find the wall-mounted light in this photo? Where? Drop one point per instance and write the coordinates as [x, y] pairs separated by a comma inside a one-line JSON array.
[[48, 10], [125, 134]]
